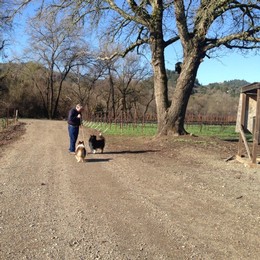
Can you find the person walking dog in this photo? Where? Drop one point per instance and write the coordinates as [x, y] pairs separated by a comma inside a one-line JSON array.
[[74, 122]]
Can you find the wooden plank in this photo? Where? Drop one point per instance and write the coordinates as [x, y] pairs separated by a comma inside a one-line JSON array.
[[241, 121], [257, 123], [257, 128], [251, 88], [242, 133], [247, 162]]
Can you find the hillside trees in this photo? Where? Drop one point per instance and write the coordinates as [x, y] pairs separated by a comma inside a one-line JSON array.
[[125, 89], [3, 85], [21, 82], [213, 102], [130, 73], [20, 92], [83, 80], [5, 27], [58, 46], [201, 27]]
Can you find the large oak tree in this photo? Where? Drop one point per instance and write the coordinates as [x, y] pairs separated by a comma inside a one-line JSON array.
[[200, 27]]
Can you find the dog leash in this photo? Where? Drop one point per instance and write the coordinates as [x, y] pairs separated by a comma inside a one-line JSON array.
[[82, 132]]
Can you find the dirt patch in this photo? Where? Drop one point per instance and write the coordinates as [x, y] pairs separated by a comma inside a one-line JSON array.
[[11, 133]]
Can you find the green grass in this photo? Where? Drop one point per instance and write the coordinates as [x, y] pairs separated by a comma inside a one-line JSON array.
[[124, 129], [223, 132]]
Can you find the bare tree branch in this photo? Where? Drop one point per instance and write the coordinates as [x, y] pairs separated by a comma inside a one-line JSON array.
[[242, 39], [126, 51]]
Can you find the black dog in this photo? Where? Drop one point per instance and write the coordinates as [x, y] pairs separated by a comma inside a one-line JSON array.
[[95, 144]]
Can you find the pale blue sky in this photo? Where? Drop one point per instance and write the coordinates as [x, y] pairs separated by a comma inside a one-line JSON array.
[[232, 66], [228, 66]]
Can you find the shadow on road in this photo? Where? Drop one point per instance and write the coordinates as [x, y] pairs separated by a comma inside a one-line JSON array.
[[98, 160], [117, 152], [134, 152]]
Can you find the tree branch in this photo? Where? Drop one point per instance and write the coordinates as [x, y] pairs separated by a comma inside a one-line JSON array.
[[181, 20], [2, 45], [171, 40], [139, 10], [247, 36], [129, 17], [127, 50]]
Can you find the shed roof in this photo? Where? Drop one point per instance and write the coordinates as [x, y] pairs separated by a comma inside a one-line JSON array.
[[251, 88]]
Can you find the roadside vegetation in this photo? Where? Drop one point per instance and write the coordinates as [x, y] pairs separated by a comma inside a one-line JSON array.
[[123, 106], [223, 132], [110, 56], [126, 94]]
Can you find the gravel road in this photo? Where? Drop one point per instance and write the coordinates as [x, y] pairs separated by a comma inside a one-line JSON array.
[[139, 200]]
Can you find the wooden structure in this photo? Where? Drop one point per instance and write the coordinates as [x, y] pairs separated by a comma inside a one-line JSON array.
[[248, 121]]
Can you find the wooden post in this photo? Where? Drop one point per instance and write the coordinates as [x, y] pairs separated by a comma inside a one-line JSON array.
[[242, 133], [16, 116], [7, 117], [256, 134], [242, 122]]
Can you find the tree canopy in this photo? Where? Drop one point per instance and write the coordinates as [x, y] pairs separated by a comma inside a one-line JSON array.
[[149, 26]]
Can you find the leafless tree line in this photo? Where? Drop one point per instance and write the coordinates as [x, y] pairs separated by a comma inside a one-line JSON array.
[[126, 88], [200, 28], [60, 69]]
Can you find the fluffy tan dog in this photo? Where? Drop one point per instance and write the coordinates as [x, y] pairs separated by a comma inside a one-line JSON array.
[[80, 152]]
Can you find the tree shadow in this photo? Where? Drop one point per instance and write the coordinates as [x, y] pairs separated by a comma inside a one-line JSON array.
[[131, 151], [98, 160], [231, 140], [236, 140]]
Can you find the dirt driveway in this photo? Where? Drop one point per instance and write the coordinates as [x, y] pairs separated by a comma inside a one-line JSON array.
[[141, 199]]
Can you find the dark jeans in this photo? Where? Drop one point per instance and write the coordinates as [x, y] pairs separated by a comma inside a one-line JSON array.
[[73, 134]]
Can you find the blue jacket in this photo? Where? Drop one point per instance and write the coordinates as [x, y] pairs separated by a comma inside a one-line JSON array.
[[72, 117]]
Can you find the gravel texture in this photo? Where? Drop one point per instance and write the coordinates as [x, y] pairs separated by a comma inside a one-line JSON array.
[[143, 198]]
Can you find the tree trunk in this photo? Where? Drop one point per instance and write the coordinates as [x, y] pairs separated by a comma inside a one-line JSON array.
[[57, 98], [112, 93], [160, 78], [174, 120]]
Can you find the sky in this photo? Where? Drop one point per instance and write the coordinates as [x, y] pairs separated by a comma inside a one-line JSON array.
[[228, 66], [231, 66]]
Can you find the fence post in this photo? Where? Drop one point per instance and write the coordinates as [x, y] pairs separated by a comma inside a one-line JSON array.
[[7, 117], [16, 116]]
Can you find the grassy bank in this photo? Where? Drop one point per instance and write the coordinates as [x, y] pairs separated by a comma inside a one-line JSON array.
[[226, 132]]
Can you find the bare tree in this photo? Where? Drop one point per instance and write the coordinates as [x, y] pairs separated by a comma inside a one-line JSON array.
[[3, 21], [200, 26], [129, 73], [83, 79], [59, 46], [6, 20], [121, 88], [147, 96]]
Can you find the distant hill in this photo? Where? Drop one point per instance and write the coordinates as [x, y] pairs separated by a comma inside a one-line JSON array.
[[231, 87], [212, 99]]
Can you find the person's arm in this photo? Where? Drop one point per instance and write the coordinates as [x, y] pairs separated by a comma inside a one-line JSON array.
[[73, 117]]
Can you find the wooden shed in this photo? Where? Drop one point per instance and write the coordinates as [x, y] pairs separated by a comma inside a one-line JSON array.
[[248, 123]]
